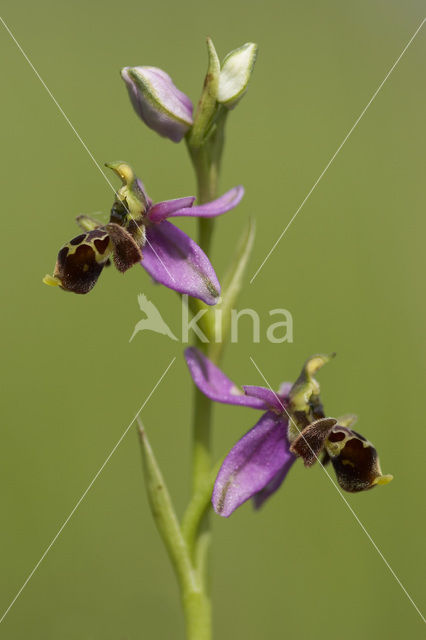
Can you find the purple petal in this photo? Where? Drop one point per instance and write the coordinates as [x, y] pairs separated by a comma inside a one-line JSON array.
[[225, 203], [168, 208], [185, 103], [215, 384], [270, 398], [261, 497], [142, 188], [284, 390], [176, 261], [252, 464]]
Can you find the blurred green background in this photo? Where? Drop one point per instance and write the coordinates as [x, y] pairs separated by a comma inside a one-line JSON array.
[[350, 270]]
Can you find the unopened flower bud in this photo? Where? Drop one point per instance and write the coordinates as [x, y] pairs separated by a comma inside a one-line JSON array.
[[235, 74], [158, 101]]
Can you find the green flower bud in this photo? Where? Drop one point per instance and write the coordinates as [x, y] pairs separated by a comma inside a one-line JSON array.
[[235, 74]]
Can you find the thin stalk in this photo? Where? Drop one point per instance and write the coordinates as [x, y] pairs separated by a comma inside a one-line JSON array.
[[197, 609], [197, 508], [206, 159], [203, 407], [206, 162], [207, 175], [202, 417]]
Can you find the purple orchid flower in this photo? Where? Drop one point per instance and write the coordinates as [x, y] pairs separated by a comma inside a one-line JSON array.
[[257, 465], [138, 231], [259, 462]]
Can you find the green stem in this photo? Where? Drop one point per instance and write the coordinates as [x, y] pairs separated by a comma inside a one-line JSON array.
[[202, 441], [197, 609], [207, 174], [196, 527], [206, 156], [197, 508], [206, 160], [206, 170]]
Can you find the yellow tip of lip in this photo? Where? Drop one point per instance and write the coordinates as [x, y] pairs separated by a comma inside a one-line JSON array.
[[383, 479], [51, 281]]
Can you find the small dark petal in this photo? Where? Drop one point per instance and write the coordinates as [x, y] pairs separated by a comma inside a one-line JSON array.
[[301, 419], [310, 442], [126, 251]]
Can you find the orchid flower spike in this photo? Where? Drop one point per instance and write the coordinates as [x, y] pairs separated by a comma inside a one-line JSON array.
[[139, 232], [293, 425]]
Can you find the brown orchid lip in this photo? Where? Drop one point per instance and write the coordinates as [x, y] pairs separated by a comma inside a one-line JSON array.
[[355, 461]]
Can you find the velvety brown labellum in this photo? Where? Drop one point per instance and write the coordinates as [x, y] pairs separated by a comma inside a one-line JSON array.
[[357, 464], [125, 249], [80, 262], [310, 442]]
